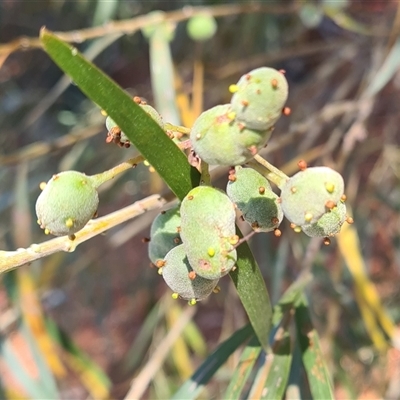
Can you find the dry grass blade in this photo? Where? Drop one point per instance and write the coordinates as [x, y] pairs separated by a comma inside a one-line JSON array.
[[140, 383]]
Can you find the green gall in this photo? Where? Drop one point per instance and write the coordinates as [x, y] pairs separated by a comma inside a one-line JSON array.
[[259, 97], [310, 193], [179, 276], [201, 27], [329, 224], [66, 204], [153, 113], [253, 196], [218, 139], [207, 228], [164, 234], [165, 30]]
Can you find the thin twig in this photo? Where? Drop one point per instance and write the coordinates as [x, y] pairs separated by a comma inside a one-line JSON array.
[[39, 149], [132, 25], [272, 173]]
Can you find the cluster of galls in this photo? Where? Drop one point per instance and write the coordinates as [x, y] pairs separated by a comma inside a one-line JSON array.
[[194, 244], [231, 134]]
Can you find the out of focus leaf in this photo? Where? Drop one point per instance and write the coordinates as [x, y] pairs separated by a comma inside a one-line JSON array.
[[162, 69], [91, 375], [313, 358], [374, 314], [246, 363], [386, 71], [192, 387]]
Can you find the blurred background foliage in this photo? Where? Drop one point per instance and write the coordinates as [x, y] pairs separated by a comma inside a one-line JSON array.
[[84, 324]]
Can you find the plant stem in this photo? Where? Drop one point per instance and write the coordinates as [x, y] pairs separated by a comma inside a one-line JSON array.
[[205, 178], [272, 173], [105, 176]]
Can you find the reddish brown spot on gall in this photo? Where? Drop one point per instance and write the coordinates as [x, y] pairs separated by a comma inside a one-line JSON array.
[[274, 83], [330, 204], [277, 232], [286, 111], [245, 103], [204, 264], [242, 218], [350, 220], [258, 91], [292, 225], [231, 171], [279, 200], [241, 126], [275, 220], [282, 71], [160, 263], [253, 150], [261, 190], [255, 225], [302, 165], [327, 241], [127, 145], [109, 139], [145, 240], [177, 240], [192, 275], [293, 189], [344, 197], [191, 197], [137, 99], [163, 212], [248, 77], [232, 178]]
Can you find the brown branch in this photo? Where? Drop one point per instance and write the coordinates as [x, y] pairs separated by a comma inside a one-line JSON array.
[[130, 26]]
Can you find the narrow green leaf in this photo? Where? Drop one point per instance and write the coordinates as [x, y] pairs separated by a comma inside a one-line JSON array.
[[195, 384], [313, 359], [239, 378], [142, 130], [273, 370], [279, 369], [253, 294], [290, 297]]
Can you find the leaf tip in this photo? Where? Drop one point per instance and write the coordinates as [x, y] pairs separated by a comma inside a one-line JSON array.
[[43, 31]]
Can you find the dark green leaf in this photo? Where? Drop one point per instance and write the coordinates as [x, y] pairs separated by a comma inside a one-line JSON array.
[[192, 387], [142, 130], [313, 359], [252, 292]]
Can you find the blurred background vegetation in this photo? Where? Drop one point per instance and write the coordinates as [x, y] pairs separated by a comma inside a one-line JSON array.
[[84, 324]]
